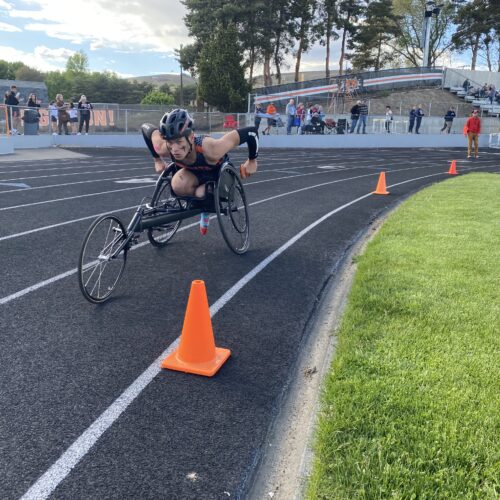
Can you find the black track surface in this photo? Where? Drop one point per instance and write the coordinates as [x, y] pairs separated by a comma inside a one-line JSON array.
[[64, 361]]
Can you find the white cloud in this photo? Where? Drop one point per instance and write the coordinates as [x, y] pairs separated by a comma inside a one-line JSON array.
[[31, 59], [5, 5], [9, 27], [126, 25], [56, 55]]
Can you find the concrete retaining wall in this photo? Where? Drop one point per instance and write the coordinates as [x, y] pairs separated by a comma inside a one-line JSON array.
[[9, 145]]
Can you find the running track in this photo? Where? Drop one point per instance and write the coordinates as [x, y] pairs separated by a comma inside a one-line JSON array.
[[85, 412]]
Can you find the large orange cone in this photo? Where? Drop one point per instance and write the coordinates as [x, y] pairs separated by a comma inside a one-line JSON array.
[[197, 352], [453, 168], [381, 187]]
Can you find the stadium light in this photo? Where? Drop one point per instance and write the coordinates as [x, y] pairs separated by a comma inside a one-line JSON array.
[[431, 9]]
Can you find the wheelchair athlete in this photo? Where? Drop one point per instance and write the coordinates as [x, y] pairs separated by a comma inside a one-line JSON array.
[[199, 158]]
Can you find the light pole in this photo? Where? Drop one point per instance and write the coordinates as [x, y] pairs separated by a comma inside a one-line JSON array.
[[431, 8], [182, 87]]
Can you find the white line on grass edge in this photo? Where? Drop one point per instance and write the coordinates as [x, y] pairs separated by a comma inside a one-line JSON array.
[[49, 481]]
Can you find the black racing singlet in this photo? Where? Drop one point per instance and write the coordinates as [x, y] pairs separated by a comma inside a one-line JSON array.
[[201, 164]]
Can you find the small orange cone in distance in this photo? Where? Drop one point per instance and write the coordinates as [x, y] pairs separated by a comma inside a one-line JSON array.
[[453, 168], [381, 187], [197, 352]]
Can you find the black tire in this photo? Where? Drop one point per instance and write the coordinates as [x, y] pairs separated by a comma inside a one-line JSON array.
[[232, 210], [98, 275], [159, 236]]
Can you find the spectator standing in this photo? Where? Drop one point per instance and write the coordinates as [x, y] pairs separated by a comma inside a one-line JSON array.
[[466, 85], [419, 114], [32, 115], [62, 114], [363, 116], [85, 108], [12, 100], [473, 129], [290, 111], [448, 120], [271, 122], [257, 119], [354, 116], [413, 116], [301, 116], [491, 93], [73, 117], [388, 119], [53, 117]]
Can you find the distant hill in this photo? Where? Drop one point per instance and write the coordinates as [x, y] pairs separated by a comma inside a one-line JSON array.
[[172, 79]]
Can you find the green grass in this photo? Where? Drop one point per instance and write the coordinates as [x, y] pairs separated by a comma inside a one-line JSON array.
[[411, 407]]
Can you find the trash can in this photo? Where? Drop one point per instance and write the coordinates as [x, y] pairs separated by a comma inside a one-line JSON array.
[[31, 118]]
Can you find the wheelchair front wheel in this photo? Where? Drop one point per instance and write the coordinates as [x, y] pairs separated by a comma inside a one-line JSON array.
[[99, 269], [232, 210], [159, 236]]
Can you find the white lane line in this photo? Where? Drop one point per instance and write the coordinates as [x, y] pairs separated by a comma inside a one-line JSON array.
[[72, 198], [71, 183], [59, 224], [49, 481], [74, 173], [75, 167]]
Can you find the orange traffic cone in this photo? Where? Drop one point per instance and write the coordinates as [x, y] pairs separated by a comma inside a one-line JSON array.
[[197, 352], [453, 168], [381, 188]]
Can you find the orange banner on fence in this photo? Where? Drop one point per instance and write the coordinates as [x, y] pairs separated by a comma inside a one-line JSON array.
[[98, 117]]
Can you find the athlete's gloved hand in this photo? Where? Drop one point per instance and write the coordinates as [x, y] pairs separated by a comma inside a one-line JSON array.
[[248, 168], [159, 165]]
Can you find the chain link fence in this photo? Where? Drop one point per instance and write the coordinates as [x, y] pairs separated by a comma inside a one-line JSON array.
[[115, 119]]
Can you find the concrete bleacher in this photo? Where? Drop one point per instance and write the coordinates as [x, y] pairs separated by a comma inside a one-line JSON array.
[[482, 103]]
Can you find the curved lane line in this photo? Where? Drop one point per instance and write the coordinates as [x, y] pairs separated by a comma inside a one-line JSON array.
[[49, 481]]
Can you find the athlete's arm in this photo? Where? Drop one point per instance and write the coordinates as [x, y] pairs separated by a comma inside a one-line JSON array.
[[156, 145], [214, 149]]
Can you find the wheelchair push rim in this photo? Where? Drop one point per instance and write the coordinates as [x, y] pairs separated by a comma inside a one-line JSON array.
[[100, 265], [159, 236], [232, 210]]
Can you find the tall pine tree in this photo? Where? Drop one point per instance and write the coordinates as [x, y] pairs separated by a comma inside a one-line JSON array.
[[221, 75]]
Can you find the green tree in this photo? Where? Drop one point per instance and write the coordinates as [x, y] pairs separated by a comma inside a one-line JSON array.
[[327, 20], [221, 74], [476, 22], [303, 29], [8, 69], [189, 93], [369, 43], [29, 74], [408, 43], [157, 97], [77, 63], [348, 14]]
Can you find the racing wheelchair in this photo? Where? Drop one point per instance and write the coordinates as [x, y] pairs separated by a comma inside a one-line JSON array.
[[106, 245]]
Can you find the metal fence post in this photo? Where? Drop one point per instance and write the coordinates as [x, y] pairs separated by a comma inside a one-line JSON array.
[[430, 107], [126, 121]]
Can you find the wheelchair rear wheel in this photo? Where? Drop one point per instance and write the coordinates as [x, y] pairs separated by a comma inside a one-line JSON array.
[[232, 210]]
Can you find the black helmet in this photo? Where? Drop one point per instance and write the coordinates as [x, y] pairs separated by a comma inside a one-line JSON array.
[[176, 124]]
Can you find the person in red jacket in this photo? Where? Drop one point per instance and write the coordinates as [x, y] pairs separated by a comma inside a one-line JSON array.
[[473, 129]]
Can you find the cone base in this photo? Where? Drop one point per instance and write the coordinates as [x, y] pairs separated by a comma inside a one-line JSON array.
[[453, 173], [207, 369], [380, 192]]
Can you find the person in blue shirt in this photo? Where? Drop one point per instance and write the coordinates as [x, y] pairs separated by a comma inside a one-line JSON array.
[[448, 120], [413, 115], [419, 114]]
